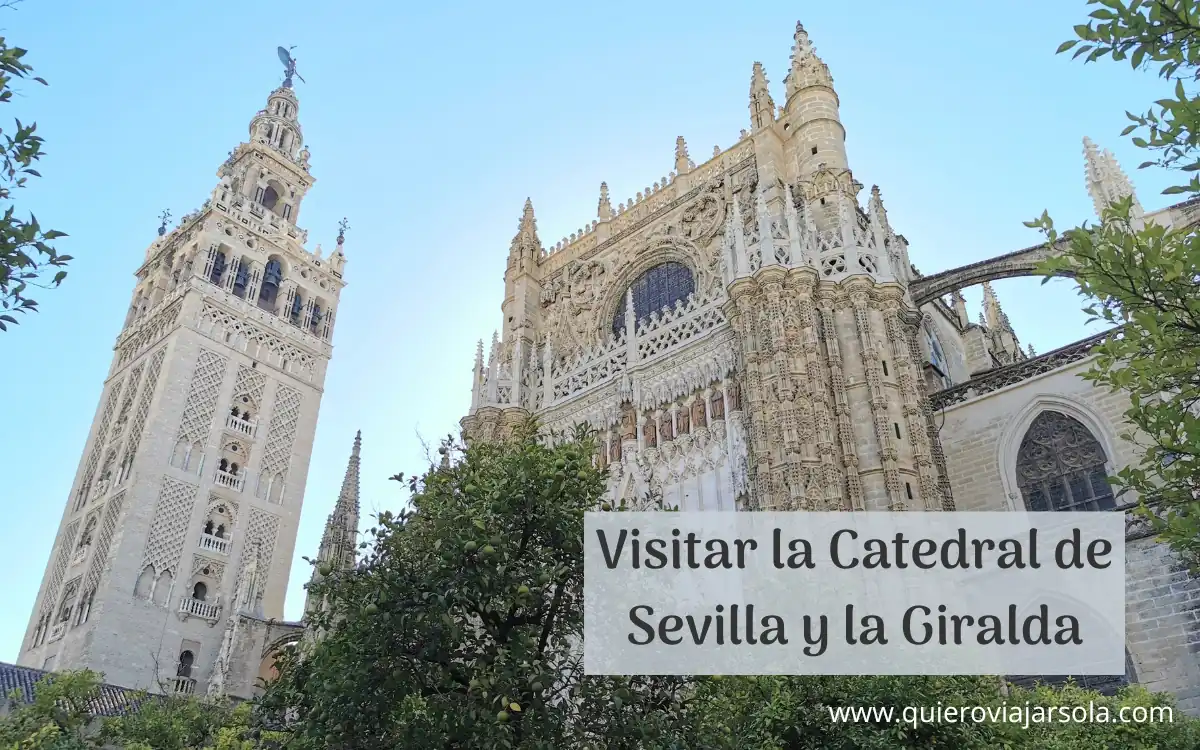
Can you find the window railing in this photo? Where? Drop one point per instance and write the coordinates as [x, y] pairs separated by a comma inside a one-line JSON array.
[[205, 610], [184, 686], [57, 631], [232, 481], [211, 543], [240, 425]]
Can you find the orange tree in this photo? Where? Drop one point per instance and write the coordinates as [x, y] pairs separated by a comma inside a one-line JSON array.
[[462, 626]]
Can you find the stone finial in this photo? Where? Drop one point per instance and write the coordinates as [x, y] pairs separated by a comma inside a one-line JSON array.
[[805, 62], [876, 210], [343, 225], [959, 303], [762, 106], [1106, 182], [526, 239], [993, 315], [682, 163], [1029, 350], [716, 151], [604, 208], [165, 218]]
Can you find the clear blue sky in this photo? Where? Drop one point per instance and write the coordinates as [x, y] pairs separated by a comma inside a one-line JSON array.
[[428, 129]]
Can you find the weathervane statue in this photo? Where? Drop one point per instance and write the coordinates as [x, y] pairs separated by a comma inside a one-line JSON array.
[[289, 67]]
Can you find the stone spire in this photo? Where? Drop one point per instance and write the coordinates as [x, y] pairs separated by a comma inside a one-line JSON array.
[[1005, 345], [807, 68], [992, 313], [682, 163], [339, 543], [526, 240], [762, 106], [959, 303], [1107, 183], [604, 210]]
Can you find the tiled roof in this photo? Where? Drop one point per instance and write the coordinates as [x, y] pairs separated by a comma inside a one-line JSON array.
[[110, 701]]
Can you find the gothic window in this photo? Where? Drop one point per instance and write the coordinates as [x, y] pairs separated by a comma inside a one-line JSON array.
[[85, 607], [218, 268], [272, 275], [184, 668], [199, 591], [937, 358], [85, 539], [661, 286], [1061, 466]]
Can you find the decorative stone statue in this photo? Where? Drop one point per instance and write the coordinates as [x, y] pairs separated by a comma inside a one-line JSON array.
[[650, 433], [685, 424], [735, 395], [699, 418], [665, 427], [717, 404], [628, 424]]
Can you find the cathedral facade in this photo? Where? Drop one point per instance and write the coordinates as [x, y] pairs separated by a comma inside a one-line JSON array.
[[746, 333], [749, 333], [175, 546]]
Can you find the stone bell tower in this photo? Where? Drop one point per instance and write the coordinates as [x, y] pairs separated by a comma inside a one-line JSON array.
[[194, 470], [818, 295]]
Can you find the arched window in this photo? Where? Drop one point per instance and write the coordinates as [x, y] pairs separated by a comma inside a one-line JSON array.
[[937, 357], [241, 278], [272, 275], [186, 659], [1061, 466], [270, 197], [661, 286], [314, 325], [297, 309], [199, 591]]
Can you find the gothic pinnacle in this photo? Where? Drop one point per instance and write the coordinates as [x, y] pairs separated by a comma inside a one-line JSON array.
[[762, 106], [527, 238], [348, 498], [1106, 182], [682, 163], [604, 208]]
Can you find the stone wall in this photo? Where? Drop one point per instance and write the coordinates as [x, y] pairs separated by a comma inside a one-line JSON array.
[[981, 436]]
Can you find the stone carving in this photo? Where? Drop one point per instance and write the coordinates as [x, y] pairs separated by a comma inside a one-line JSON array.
[[149, 330], [98, 440], [143, 409], [1000, 377], [261, 531], [66, 543], [281, 434], [201, 403], [628, 423], [108, 526], [215, 568], [164, 544]]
